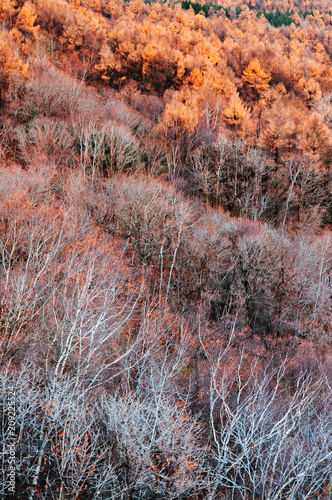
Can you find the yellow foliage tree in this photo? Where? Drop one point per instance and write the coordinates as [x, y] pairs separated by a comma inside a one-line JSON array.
[[25, 21], [255, 77], [183, 110], [282, 128], [109, 66], [7, 9], [235, 112], [11, 65], [310, 89], [219, 83], [318, 136], [195, 79]]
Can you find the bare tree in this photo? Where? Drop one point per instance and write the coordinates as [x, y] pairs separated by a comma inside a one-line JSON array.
[[111, 446], [46, 140], [106, 148], [270, 439]]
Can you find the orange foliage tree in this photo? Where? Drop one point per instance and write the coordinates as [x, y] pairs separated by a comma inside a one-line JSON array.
[[12, 67], [256, 77]]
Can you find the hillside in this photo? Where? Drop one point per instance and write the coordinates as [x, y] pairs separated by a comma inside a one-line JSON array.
[[165, 250]]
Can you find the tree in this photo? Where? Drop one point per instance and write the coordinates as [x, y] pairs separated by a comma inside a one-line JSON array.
[[51, 92], [183, 111], [311, 90], [7, 10], [282, 129], [318, 137], [236, 112], [69, 444], [25, 21], [256, 78], [47, 140], [11, 66], [270, 441]]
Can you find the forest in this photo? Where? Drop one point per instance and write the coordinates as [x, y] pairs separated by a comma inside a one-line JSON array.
[[165, 250]]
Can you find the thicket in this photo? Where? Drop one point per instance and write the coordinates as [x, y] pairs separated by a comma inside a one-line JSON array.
[[165, 250]]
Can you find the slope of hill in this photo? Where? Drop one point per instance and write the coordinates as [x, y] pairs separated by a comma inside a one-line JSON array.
[[165, 250]]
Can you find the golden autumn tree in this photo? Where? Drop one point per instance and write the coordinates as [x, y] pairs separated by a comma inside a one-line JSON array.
[[25, 21], [318, 137], [7, 10], [272, 94], [256, 77], [310, 89], [195, 79], [109, 67], [183, 110], [219, 83], [11, 66], [282, 128], [236, 112], [160, 66]]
